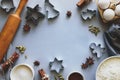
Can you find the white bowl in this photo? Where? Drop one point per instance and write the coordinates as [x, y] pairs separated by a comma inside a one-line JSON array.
[[109, 69], [22, 72]]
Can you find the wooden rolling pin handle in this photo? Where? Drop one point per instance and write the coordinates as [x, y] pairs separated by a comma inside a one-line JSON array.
[[10, 28], [20, 7]]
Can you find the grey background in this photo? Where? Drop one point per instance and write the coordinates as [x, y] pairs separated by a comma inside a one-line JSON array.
[[68, 39]]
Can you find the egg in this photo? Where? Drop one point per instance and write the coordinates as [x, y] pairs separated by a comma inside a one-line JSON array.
[[115, 1], [117, 10], [103, 4], [108, 14]]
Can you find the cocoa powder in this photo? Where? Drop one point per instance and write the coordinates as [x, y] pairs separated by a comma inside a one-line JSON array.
[[75, 76]]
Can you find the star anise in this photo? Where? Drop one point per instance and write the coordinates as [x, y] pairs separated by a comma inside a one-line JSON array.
[[84, 65], [36, 63], [89, 61], [69, 13], [26, 28]]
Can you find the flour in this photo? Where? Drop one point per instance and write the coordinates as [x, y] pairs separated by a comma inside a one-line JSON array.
[[109, 70], [22, 72]]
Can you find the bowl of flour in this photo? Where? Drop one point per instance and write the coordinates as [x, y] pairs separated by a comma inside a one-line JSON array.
[[109, 69], [22, 72]]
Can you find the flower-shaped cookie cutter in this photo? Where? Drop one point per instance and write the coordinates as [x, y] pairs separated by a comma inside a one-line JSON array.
[[56, 65]]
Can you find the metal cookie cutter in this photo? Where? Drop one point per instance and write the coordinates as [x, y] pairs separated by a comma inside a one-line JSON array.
[[88, 14], [97, 49], [7, 5], [56, 65], [51, 12], [33, 14]]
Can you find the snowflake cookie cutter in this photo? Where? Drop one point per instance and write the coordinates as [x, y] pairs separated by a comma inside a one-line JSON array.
[[51, 12], [96, 49], [88, 14], [7, 5], [56, 65], [34, 15]]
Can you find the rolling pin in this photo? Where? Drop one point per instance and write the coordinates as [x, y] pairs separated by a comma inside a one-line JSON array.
[[10, 28]]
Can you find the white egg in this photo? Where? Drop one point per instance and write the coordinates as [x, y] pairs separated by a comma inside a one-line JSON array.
[[103, 4], [115, 1], [108, 14], [117, 10]]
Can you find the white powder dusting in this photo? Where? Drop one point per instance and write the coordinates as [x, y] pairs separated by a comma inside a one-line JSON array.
[[109, 70]]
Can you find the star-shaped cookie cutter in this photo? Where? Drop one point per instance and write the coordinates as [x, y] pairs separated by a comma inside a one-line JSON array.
[[33, 14], [56, 65]]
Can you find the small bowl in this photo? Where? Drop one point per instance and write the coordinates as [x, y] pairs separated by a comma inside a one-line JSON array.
[[22, 72], [75, 76], [109, 69]]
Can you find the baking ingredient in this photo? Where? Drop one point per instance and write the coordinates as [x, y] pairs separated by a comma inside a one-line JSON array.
[[117, 10], [84, 65], [108, 14], [69, 13], [5, 66], [59, 77], [21, 72], [109, 69], [115, 1], [94, 30], [26, 28], [21, 49], [103, 4], [36, 63], [75, 76], [43, 75], [89, 61], [82, 2]]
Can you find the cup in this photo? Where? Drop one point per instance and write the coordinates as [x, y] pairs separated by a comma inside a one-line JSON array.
[[75, 76], [22, 72]]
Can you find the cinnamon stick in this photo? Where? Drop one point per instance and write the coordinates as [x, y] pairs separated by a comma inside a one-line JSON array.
[[43, 75], [10, 61]]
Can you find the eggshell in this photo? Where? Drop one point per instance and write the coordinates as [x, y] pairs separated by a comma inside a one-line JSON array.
[[108, 14], [103, 4], [117, 10]]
